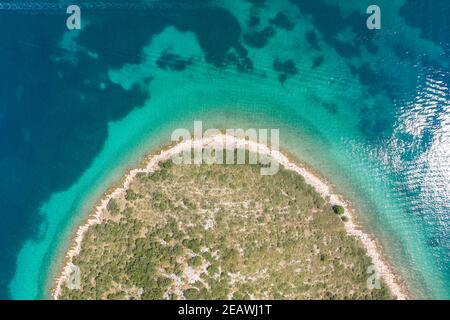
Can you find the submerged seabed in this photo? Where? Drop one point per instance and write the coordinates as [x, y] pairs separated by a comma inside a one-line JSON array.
[[368, 109]]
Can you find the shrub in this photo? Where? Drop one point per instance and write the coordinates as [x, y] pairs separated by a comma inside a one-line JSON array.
[[338, 209], [213, 268], [195, 262], [191, 293], [166, 165], [131, 195], [112, 207], [193, 244]]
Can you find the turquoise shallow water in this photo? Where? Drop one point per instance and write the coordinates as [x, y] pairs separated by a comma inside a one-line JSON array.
[[368, 109]]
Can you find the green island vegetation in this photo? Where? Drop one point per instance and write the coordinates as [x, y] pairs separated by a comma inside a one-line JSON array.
[[221, 232]]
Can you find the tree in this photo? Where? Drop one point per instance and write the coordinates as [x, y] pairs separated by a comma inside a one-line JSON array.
[[339, 210]]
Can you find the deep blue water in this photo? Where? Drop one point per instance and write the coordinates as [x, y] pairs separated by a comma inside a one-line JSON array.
[[57, 100]]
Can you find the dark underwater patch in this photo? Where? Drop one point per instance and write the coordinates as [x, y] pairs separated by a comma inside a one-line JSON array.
[[367, 76], [374, 80], [258, 39], [311, 38], [282, 21], [434, 242], [242, 64], [329, 21], [257, 3], [172, 61], [217, 31], [376, 122], [253, 20], [402, 52], [317, 62], [285, 69], [330, 107], [431, 18]]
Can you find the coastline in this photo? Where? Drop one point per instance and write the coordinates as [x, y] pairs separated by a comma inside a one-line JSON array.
[[373, 249]]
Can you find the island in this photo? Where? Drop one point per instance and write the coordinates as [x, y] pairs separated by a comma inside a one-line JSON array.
[[211, 231]]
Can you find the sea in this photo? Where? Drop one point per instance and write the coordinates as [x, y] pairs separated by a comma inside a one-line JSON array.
[[360, 93]]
